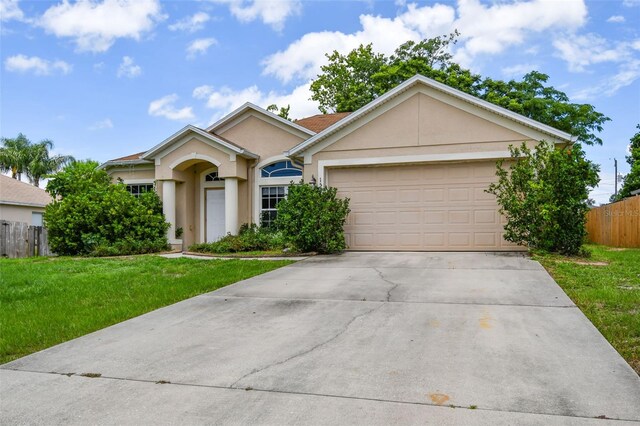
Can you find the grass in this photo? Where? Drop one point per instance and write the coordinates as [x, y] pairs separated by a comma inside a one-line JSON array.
[[253, 253], [46, 301], [606, 287]]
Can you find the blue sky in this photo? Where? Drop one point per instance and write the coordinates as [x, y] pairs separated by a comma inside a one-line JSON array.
[[108, 78]]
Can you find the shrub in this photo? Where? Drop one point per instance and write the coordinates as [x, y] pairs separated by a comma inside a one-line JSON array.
[[544, 196], [249, 238], [91, 216], [312, 218]]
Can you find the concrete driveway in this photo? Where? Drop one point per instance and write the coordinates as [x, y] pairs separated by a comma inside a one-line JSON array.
[[361, 338]]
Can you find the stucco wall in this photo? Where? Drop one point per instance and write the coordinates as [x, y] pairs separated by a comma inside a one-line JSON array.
[[18, 213], [261, 138], [133, 173], [420, 125]]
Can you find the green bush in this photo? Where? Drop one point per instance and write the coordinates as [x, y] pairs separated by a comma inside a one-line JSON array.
[[249, 238], [312, 218], [91, 216], [544, 195]]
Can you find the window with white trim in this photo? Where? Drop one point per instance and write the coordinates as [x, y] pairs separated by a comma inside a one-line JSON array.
[[271, 196], [136, 189], [274, 185]]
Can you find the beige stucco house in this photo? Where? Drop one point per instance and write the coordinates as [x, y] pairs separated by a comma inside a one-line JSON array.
[[21, 202], [415, 163]]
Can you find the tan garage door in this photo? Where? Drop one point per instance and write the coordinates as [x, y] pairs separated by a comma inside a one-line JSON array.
[[438, 206]]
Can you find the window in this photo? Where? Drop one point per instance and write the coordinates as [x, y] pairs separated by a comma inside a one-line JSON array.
[[36, 218], [139, 188], [271, 196], [280, 169], [213, 177]]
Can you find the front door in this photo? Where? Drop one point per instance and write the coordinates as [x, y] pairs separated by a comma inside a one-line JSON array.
[[214, 214]]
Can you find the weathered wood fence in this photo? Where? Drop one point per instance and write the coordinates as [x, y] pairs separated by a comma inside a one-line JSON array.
[[616, 224], [19, 239]]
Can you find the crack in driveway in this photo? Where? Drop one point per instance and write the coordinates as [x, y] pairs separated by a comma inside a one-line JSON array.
[[307, 351], [393, 285]]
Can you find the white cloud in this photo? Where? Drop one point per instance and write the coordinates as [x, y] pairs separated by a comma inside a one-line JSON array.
[[164, 107], [10, 10], [225, 99], [627, 73], [191, 24], [102, 124], [95, 26], [271, 12], [631, 3], [485, 30], [200, 46], [616, 19], [36, 65], [582, 51], [518, 70], [128, 68]]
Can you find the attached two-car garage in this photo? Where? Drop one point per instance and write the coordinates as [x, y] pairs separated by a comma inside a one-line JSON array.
[[416, 163], [432, 206]]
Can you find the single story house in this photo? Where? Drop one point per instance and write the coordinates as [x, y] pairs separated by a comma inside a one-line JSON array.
[[21, 202], [415, 163]]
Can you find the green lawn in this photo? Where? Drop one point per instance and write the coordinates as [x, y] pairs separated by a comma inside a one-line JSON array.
[[46, 301], [606, 287]]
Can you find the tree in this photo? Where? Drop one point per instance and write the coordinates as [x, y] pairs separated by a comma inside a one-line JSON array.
[[90, 215], [348, 82], [19, 155], [14, 155], [632, 179], [544, 194], [282, 112], [41, 163]]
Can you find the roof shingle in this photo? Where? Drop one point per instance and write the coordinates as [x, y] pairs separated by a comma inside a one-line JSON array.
[[319, 122]]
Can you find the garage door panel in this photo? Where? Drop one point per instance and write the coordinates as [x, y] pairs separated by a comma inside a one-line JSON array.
[[433, 195], [422, 207], [459, 194], [459, 239]]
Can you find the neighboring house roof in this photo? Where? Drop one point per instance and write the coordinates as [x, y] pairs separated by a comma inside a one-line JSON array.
[[420, 79], [17, 193], [208, 136], [248, 107], [319, 122]]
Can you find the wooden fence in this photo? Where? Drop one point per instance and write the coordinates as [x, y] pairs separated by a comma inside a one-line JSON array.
[[616, 224], [19, 239]]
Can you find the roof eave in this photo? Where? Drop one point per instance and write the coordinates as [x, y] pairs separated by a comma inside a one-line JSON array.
[[112, 163], [149, 155]]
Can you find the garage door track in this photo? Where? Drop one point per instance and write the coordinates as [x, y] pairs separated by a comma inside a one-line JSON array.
[[359, 338]]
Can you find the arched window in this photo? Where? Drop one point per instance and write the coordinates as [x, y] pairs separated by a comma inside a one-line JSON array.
[[280, 169], [213, 177]]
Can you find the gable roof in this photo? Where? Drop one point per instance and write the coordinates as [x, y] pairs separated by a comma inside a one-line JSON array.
[[217, 140], [319, 122], [248, 106], [422, 80], [15, 192]]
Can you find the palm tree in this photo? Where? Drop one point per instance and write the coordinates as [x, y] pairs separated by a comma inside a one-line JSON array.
[[14, 155], [18, 155], [40, 164]]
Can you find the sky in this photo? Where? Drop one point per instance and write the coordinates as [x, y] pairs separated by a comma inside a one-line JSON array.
[[104, 79]]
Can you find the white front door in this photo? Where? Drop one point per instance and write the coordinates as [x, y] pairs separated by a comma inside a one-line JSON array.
[[214, 214]]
